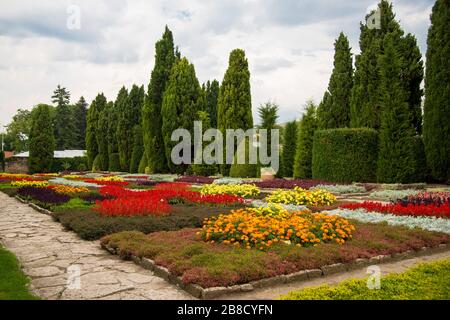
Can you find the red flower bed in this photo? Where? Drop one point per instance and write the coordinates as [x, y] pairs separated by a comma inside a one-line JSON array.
[[107, 183], [128, 202], [400, 209]]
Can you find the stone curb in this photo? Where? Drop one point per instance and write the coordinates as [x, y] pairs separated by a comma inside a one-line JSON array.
[[304, 275]]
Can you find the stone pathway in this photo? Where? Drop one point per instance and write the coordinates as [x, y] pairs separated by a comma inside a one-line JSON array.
[[51, 256]]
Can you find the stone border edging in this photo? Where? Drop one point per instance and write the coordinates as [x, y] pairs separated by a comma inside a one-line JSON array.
[[212, 293]]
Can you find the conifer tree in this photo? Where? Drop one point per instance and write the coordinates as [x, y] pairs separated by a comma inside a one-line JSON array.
[[268, 114], [212, 94], [152, 121], [436, 128], [396, 159], [79, 113], [101, 161], [92, 130], [289, 148], [303, 155], [138, 149], [234, 106], [183, 98], [42, 140], [64, 123], [336, 104]]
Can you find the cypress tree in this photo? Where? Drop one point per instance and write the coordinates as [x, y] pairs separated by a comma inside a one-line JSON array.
[[128, 118], [203, 169], [211, 90], [182, 100], [396, 159], [138, 149], [436, 128], [337, 103], [152, 121], [324, 111], [101, 161], [289, 148], [64, 123], [42, 140], [234, 106], [79, 113], [303, 155], [120, 132], [92, 131]]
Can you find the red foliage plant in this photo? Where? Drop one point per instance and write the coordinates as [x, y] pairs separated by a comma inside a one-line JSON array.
[[403, 210]]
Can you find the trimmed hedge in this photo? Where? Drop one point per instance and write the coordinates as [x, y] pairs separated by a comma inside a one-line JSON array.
[[345, 155], [76, 163]]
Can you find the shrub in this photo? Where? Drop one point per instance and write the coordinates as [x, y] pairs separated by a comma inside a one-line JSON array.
[[142, 164], [345, 155], [72, 163], [114, 162], [245, 170]]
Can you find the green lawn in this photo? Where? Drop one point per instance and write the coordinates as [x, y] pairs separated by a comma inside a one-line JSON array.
[[13, 283], [429, 281]]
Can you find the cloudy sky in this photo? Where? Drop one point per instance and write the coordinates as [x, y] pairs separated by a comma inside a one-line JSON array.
[[289, 44]]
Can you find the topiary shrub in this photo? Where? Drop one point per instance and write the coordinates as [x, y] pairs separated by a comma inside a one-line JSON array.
[[114, 162], [244, 170], [345, 155], [142, 164]]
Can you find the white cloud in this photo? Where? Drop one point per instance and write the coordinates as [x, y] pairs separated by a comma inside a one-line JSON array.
[[289, 45]]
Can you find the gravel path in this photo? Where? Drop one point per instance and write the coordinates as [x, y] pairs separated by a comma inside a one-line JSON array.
[[53, 257]]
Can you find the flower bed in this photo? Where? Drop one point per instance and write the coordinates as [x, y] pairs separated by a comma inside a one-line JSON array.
[[425, 223], [263, 227], [46, 197], [403, 209], [196, 179], [186, 255], [290, 184], [106, 182], [392, 195], [110, 179], [427, 198], [73, 183], [299, 196], [29, 183], [68, 189], [13, 177], [340, 188], [241, 190]]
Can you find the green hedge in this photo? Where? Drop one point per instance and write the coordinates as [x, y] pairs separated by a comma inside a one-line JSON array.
[[74, 164], [345, 155]]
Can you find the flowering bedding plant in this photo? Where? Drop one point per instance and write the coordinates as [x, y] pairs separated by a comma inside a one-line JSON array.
[[68, 189], [241, 190], [288, 207], [290, 184], [43, 195], [246, 228], [403, 209], [427, 198], [7, 177], [73, 183], [300, 196], [426, 223], [29, 183], [393, 195], [340, 188], [110, 178]]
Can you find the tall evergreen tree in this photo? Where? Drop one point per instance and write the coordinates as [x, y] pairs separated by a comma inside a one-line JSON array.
[[303, 155], [79, 113], [436, 128], [42, 140], [183, 98], [64, 123], [336, 113], [396, 159], [138, 149], [129, 116], [92, 129], [234, 106], [101, 161], [365, 104], [212, 95], [115, 132], [289, 148], [151, 116]]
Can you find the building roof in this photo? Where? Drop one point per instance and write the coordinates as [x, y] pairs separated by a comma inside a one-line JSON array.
[[65, 154], [9, 154]]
